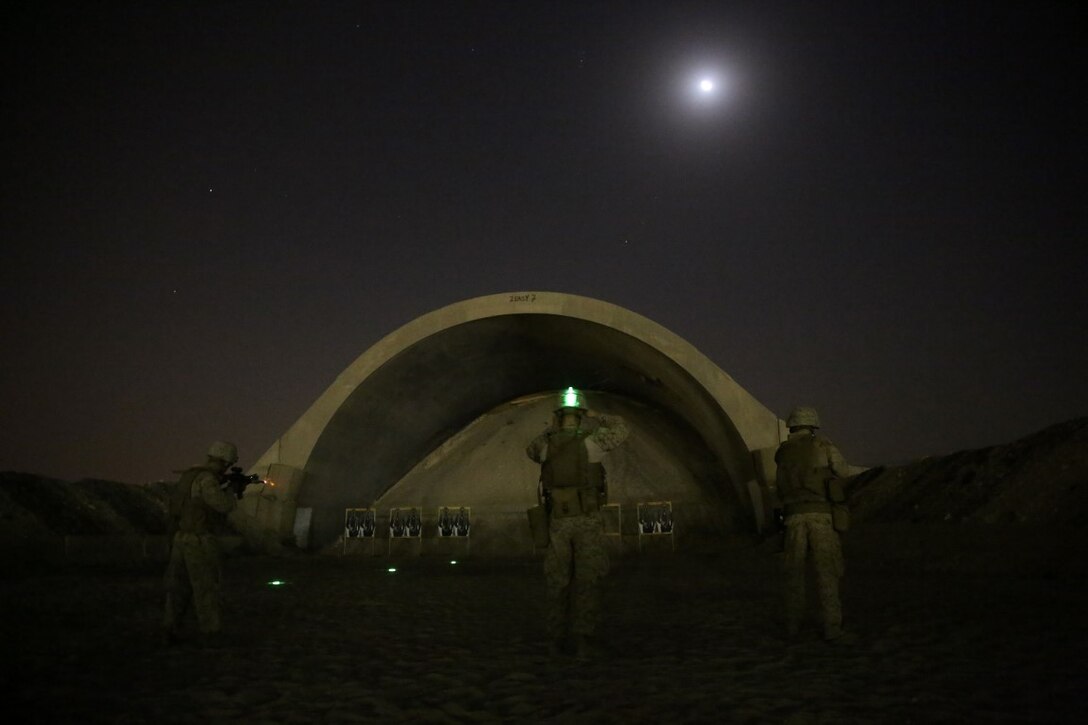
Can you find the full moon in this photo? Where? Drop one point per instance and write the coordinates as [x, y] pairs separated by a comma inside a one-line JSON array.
[[706, 85]]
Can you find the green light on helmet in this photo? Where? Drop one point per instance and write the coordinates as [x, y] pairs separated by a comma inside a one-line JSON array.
[[572, 398]]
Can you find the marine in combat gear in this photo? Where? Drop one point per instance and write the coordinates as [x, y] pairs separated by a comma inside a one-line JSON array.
[[572, 491], [809, 484], [193, 574]]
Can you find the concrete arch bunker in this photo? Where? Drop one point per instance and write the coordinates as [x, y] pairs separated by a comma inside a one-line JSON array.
[[381, 422]]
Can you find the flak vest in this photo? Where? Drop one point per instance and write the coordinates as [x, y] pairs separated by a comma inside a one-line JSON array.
[[803, 473], [570, 479], [191, 514]]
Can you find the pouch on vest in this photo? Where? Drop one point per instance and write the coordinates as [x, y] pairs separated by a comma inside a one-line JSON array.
[[538, 526], [840, 513], [566, 502], [590, 499]]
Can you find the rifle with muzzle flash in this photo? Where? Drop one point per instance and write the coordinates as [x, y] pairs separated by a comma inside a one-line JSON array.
[[236, 481]]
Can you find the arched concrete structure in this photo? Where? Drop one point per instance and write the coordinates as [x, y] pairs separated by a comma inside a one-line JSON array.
[[419, 386]]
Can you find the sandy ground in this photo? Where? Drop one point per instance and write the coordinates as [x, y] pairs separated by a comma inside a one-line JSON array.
[[692, 640]]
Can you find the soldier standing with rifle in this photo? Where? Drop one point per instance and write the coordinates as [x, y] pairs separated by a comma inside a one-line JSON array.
[[809, 483], [192, 578], [572, 490]]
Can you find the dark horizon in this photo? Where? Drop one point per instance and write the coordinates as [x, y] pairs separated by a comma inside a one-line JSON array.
[[213, 209]]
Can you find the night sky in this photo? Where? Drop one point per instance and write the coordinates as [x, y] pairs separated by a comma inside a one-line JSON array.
[[211, 209]]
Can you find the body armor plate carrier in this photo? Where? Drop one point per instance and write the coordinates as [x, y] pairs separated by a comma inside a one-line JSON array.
[[571, 483]]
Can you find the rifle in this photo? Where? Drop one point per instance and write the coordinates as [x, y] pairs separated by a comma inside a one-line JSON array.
[[237, 481], [539, 519]]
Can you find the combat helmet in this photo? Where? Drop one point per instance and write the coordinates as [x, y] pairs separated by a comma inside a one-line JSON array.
[[803, 416], [223, 451]]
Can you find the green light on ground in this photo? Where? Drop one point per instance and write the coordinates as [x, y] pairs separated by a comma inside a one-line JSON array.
[[276, 583], [391, 569], [453, 562]]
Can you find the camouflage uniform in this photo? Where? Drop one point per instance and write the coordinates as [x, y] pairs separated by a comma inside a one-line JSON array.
[[574, 563], [813, 531], [805, 463], [576, 558], [193, 574]]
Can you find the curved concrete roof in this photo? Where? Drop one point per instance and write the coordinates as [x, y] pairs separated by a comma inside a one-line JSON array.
[[426, 381]]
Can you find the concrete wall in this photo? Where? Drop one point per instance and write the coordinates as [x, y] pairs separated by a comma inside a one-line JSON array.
[[420, 386], [485, 469]]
